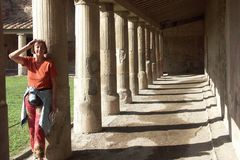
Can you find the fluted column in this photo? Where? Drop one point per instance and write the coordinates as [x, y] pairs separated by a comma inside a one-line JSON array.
[[121, 28], [133, 54], [87, 100], [22, 40], [4, 138], [148, 55], [49, 24], [153, 54], [142, 77], [157, 53], [109, 96]]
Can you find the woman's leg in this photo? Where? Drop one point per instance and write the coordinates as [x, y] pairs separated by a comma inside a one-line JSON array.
[[39, 143], [37, 137], [31, 112]]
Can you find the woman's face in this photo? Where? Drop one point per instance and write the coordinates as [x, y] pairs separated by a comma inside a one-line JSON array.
[[39, 49]]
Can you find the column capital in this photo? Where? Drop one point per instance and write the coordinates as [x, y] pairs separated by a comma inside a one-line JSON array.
[[141, 23], [122, 13], [148, 26], [84, 2], [106, 7], [153, 28], [21, 34], [133, 19]]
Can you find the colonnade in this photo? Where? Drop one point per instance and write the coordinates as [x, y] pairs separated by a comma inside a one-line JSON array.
[[129, 56], [117, 54]]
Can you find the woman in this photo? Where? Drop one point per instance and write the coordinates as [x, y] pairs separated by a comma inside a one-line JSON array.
[[39, 98]]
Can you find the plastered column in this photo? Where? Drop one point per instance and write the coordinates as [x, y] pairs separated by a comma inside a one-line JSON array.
[[49, 24], [109, 96], [153, 54], [160, 53], [4, 138], [157, 53], [133, 54], [22, 40], [142, 77], [87, 90], [148, 54], [121, 28]]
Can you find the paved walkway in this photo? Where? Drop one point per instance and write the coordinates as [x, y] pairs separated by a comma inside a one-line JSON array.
[[175, 118]]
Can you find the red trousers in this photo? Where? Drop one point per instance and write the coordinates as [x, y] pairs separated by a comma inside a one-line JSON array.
[[37, 137]]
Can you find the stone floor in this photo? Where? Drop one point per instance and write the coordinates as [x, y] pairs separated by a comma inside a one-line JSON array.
[[175, 118]]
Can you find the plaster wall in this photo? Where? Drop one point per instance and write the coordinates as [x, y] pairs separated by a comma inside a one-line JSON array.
[[183, 49], [223, 55], [233, 70]]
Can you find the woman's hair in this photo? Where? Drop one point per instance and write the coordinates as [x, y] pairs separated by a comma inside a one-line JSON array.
[[39, 41]]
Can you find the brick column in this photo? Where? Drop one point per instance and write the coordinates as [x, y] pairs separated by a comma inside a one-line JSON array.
[[121, 28], [110, 98], [22, 40], [133, 54], [87, 89], [4, 139], [148, 55], [142, 77], [49, 24]]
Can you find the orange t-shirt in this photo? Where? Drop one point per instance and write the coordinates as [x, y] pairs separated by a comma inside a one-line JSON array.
[[39, 74]]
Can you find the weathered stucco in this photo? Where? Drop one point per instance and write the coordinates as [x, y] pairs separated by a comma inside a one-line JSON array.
[[222, 60], [183, 49]]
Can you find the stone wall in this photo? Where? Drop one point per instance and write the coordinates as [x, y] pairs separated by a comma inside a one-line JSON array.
[[222, 41], [183, 49]]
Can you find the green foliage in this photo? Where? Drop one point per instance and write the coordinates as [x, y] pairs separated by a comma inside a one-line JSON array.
[[19, 136]]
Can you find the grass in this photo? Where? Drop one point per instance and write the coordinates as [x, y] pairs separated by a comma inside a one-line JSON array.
[[18, 136]]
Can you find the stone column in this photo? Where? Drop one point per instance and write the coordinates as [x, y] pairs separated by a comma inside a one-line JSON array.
[[133, 54], [110, 98], [87, 89], [22, 40], [142, 77], [49, 24], [153, 55], [121, 28], [157, 53], [4, 139], [148, 54]]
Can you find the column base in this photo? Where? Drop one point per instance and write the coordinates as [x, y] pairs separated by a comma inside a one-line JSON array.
[[142, 80], [154, 71], [4, 145], [110, 104], [125, 96], [133, 84], [149, 72]]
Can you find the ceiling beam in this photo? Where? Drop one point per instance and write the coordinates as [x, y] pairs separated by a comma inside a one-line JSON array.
[[125, 5]]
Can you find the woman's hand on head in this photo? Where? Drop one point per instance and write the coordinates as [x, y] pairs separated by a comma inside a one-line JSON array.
[[31, 43]]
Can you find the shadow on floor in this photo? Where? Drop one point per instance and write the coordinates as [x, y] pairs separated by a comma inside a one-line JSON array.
[[132, 129], [178, 101], [150, 152], [145, 152], [161, 112]]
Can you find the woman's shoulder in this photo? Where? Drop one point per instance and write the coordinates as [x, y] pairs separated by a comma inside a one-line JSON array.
[[49, 61]]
